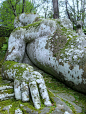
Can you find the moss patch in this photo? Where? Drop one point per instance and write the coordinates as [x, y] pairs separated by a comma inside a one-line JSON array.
[[18, 68], [61, 40], [35, 24], [53, 84]]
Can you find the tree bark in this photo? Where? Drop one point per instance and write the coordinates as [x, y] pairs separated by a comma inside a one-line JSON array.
[[74, 10], [56, 9], [23, 6], [67, 10], [78, 17], [83, 10]]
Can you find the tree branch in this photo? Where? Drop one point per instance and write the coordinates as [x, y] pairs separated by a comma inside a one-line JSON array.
[[13, 9]]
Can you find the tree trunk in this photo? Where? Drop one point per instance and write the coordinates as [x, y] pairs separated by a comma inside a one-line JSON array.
[[74, 10], [83, 10], [67, 10], [23, 4], [56, 9], [78, 16]]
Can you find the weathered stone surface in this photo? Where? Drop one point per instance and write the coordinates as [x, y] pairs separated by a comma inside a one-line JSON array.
[[25, 19], [65, 60], [6, 96], [53, 47], [66, 23], [68, 98], [58, 50], [69, 66], [60, 104], [18, 111], [24, 79]]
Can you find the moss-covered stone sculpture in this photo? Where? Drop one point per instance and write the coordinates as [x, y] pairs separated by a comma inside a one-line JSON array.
[[52, 46]]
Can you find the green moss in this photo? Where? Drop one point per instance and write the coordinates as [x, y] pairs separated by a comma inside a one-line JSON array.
[[51, 95], [16, 67], [64, 40], [9, 64], [9, 91], [35, 24], [52, 108], [58, 22], [5, 112], [70, 105], [59, 87], [5, 103]]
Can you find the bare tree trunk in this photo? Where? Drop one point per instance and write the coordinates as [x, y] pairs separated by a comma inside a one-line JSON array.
[[56, 9], [83, 10], [23, 4], [74, 10], [45, 15], [78, 18], [67, 10]]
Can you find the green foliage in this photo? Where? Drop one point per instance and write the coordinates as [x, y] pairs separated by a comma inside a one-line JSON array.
[[50, 14], [2, 53], [5, 46], [2, 40], [7, 14], [84, 30], [74, 27], [5, 31]]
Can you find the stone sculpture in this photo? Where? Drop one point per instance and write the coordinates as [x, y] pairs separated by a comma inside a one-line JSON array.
[[51, 45]]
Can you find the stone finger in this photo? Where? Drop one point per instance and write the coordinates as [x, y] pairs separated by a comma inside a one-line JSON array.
[[17, 89], [5, 87], [6, 96], [25, 92], [44, 93], [35, 94]]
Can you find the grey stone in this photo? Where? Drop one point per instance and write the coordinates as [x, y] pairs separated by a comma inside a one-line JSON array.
[[30, 111], [18, 111], [7, 108], [52, 46], [63, 60], [24, 19], [45, 110], [66, 96], [61, 106]]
